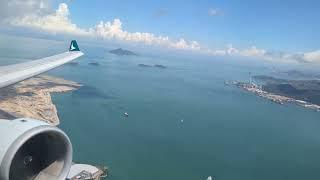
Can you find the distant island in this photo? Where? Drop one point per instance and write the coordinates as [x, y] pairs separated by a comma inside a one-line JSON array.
[[94, 63], [31, 98], [156, 66], [123, 52], [160, 66], [144, 65]]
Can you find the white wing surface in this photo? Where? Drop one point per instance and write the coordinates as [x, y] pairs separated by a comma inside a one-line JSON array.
[[12, 74]]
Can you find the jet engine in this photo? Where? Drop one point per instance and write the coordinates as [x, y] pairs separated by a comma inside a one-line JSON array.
[[33, 150]]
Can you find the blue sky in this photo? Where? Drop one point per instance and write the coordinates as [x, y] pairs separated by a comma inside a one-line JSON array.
[[288, 25]]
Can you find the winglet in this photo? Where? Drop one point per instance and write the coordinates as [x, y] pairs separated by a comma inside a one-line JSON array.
[[74, 46]]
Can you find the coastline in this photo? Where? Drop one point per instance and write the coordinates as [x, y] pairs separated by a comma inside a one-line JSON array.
[[32, 98]]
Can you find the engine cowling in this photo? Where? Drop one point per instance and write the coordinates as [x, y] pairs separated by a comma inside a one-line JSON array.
[[33, 150]]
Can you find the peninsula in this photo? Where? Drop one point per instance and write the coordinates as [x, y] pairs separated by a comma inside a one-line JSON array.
[[31, 98]]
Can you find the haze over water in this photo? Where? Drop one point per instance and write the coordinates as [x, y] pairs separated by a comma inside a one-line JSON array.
[[226, 133]]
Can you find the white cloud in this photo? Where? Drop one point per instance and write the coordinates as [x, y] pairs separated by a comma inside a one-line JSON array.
[[214, 12], [114, 29], [19, 8], [57, 22], [183, 44], [109, 30], [253, 51], [312, 56], [232, 51], [307, 57]]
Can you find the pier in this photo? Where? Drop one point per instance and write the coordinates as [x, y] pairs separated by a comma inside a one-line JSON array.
[[87, 172]]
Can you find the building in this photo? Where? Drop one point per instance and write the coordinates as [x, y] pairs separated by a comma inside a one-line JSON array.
[[86, 172]]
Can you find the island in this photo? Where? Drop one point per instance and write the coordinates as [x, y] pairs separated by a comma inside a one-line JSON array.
[[122, 52], [144, 65], [31, 98], [155, 66], [94, 63], [160, 66]]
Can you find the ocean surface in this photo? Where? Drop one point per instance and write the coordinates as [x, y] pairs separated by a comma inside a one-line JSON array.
[[183, 124]]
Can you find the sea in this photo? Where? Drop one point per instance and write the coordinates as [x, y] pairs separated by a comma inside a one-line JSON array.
[[183, 122]]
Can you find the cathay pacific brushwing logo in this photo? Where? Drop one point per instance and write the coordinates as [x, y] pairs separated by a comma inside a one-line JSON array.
[[72, 47]]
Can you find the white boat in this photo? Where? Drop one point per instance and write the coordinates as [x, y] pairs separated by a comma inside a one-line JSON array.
[[209, 178]]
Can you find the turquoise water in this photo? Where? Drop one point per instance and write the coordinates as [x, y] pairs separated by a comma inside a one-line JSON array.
[[226, 133]]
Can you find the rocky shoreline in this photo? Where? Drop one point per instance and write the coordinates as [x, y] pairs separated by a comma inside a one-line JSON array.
[[31, 98]]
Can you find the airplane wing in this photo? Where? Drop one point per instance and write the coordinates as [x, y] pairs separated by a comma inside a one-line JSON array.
[[12, 74]]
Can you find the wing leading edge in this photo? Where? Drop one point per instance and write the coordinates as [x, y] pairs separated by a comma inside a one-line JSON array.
[[12, 74]]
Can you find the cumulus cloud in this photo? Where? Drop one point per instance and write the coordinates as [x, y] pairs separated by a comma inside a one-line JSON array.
[[253, 51], [279, 56], [183, 44], [57, 22], [232, 51], [312, 56], [214, 12], [19, 8], [114, 30], [307, 57]]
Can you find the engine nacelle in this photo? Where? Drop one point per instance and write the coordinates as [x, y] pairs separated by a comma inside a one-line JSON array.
[[33, 150]]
